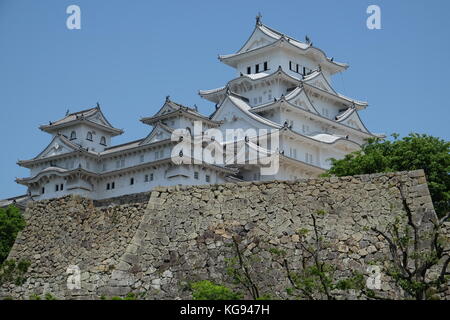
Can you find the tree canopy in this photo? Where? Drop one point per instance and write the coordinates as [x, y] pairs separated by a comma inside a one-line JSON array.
[[11, 222], [415, 151]]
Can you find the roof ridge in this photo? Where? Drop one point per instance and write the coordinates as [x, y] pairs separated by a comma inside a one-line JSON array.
[[123, 144], [82, 111]]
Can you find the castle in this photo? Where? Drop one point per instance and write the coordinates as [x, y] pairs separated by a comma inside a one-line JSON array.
[[282, 89]]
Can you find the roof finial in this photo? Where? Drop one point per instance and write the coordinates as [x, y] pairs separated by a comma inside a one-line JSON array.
[[308, 40], [195, 107], [67, 112], [98, 105], [167, 98], [258, 19]]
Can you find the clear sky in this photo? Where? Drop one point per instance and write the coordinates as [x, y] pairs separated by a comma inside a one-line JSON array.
[[129, 55]]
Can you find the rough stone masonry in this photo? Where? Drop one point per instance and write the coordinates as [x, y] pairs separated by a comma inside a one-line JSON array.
[[154, 244]]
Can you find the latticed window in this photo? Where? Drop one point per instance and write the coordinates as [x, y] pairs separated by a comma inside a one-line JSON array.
[[73, 135], [103, 141], [89, 136]]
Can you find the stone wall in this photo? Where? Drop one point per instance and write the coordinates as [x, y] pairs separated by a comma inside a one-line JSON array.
[[186, 234]]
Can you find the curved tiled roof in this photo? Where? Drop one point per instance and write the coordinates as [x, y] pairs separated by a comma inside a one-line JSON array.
[[280, 37]]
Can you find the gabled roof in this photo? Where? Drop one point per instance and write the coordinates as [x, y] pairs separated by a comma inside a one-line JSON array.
[[92, 116], [264, 37], [239, 103], [315, 81], [158, 129], [312, 114], [57, 143], [71, 148], [216, 95], [171, 108], [350, 116]]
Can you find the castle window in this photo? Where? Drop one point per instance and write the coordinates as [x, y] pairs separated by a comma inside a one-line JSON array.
[[61, 187], [293, 153], [131, 181], [104, 167], [249, 70], [290, 65], [42, 190], [108, 186], [266, 66], [89, 136], [196, 175], [151, 176], [73, 135], [57, 187], [257, 68], [208, 178], [141, 158], [113, 185], [146, 178], [103, 141]]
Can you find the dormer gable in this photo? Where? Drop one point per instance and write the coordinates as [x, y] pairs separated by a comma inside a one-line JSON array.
[[59, 145], [160, 132]]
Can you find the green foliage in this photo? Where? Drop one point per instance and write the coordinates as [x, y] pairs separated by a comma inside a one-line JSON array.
[[49, 296], [35, 296], [277, 252], [207, 290], [321, 212], [415, 151], [10, 271], [11, 222], [129, 296]]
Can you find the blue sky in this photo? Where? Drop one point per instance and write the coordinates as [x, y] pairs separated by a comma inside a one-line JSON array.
[[130, 54]]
